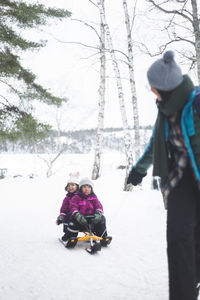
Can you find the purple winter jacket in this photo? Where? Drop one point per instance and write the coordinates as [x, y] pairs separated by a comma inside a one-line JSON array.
[[86, 205], [65, 208]]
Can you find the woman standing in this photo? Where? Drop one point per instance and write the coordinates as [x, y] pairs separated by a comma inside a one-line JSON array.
[[174, 152]]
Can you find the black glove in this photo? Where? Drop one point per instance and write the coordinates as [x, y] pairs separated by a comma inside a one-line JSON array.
[[59, 220], [97, 217], [134, 177], [80, 219]]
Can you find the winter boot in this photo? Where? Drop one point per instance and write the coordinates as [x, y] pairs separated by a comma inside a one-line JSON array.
[[71, 242], [106, 241], [65, 237]]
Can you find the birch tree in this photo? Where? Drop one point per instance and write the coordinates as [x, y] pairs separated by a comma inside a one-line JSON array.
[[99, 50], [101, 91], [132, 81], [183, 25], [127, 137]]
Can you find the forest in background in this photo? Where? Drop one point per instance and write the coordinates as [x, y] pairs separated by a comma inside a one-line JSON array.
[[77, 141]]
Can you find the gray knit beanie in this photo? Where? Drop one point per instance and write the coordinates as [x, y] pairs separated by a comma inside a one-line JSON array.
[[164, 74], [85, 181]]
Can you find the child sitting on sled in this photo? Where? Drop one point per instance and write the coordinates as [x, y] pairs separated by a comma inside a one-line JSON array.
[[83, 204], [71, 189]]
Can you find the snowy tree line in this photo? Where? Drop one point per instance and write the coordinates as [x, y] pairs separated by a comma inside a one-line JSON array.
[[78, 141]]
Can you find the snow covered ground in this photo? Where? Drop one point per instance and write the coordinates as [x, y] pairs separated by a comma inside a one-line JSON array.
[[35, 266]]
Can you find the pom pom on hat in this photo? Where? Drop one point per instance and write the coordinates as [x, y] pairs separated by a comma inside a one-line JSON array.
[[73, 178], [164, 74], [168, 56]]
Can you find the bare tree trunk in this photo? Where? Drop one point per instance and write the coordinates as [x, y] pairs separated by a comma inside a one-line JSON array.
[[196, 28], [132, 82], [99, 137], [51, 161], [127, 137]]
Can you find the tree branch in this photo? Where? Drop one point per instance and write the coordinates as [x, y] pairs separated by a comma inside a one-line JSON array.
[[87, 57], [183, 27], [77, 43], [87, 24], [10, 86], [88, 46], [162, 48], [134, 15], [174, 11], [93, 3], [5, 100]]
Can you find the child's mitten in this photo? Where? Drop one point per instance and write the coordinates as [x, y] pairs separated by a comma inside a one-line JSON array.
[[80, 219], [97, 217], [59, 220]]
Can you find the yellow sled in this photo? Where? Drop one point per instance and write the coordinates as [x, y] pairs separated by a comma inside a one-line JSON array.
[[95, 241]]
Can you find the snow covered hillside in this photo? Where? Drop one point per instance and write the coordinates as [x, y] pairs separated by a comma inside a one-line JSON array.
[[35, 266]]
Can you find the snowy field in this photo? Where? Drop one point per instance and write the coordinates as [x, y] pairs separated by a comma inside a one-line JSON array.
[[35, 266]]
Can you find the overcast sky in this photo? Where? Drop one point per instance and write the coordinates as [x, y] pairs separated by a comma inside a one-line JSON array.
[[70, 70]]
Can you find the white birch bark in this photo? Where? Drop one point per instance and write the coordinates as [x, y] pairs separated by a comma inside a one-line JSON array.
[[127, 137], [196, 29], [99, 138], [132, 82]]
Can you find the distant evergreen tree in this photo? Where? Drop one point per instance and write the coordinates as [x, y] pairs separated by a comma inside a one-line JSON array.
[[29, 130], [16, 16]]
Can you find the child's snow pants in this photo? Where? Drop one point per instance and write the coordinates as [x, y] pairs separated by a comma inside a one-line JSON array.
[[183, 238], [73, 228], [66, 222]]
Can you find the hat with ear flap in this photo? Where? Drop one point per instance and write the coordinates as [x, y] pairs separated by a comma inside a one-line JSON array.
[[85, 181], [164, 74]]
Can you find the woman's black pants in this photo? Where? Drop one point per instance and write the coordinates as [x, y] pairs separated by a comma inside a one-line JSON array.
[[183, 238]]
